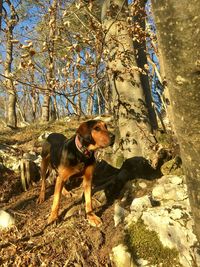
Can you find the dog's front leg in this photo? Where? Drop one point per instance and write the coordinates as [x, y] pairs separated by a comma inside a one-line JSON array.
[[56, 200], [87, 185], [64, 173]]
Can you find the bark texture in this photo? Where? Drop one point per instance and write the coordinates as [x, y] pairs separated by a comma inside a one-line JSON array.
[[1, 5], [131, 114], [10, 24], [178, 26], [51, 65], [141, 52]]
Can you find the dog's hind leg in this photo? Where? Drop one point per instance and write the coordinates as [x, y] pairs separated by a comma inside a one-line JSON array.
[[43, 171]]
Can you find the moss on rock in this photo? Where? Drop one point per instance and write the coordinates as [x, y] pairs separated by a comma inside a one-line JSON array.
[[145, 244], [172, 166]]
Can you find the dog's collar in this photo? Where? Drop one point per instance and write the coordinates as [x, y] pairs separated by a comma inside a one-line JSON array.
[[87, 153]]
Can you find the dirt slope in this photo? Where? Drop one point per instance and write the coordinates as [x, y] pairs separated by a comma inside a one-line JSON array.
[[69, 242]]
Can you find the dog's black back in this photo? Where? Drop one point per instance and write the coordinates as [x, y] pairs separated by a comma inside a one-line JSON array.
[[63, 151]]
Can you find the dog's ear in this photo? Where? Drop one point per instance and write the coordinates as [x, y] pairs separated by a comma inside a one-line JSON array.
[[84, 132]]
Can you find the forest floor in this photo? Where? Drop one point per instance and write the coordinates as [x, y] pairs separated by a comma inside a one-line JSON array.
[[71, 241]]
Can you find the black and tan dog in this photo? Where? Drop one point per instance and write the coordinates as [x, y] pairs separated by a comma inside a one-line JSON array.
[[72, 157]]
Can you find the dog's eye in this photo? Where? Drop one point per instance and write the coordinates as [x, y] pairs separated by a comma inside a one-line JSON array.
[[97, 128]]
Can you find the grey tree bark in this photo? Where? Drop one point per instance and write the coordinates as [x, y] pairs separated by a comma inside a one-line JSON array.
[[1, 5], [141, 52], [51, 65], [178, 26], [10, 24], [129, 104]]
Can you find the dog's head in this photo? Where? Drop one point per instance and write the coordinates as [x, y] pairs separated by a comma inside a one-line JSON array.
[[94, 134]]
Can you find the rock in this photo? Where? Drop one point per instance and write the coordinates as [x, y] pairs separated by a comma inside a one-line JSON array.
[[6, 220], [121, 257], [141, 203], [30, 156], [71, 212], [43, 136], [172, 231], [142, 262], [171, 220], [29, 172], [101, 197], [119, 213], [177, 214], [9, 158], [172, 166], [143, 185], [176, 180], [137, 207], [67, 119], [169, 187]]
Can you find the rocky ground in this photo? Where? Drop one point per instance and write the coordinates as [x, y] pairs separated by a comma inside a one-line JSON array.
[[146, 216]]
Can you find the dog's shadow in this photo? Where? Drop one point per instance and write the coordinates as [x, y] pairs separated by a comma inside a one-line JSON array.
[[108, 185], [110, 181]]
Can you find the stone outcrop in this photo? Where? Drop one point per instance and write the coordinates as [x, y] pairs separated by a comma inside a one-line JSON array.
[[170, 219]]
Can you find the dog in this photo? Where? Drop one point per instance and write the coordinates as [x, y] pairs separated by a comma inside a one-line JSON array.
[[72, 157]]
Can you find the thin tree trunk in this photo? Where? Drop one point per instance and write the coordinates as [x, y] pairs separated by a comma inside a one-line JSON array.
[[55, 106], [45, 106], [98, 101], [90, 102], [79, 94], [1, 5], [21, 113], [108, 96], [34, 98], [12, 117], [178, 34], [51, 70]]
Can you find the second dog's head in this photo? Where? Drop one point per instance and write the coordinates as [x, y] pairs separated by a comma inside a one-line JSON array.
[[94, 134]]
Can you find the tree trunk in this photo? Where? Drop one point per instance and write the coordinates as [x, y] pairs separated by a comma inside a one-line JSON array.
[[79, 108], [45, 107], [108, 96], [98, 101], [55, 108], [131, 115], [10, 24], [34, 97], [12, 117], [141, 57], [51, 67], [1, 5], [90, 102], [178, 32]]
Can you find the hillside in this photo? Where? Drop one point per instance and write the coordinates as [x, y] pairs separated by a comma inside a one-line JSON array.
[[72, 241]]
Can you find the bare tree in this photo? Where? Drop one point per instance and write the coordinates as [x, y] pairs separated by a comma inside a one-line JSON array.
[[11, 21], [178, 34]]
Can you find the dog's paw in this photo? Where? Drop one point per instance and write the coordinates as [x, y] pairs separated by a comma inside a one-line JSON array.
[[94, 220], [52, 218], [40, 199]]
